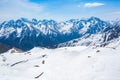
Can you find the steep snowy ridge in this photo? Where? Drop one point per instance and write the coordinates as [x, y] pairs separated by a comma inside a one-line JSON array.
[[26, 34]]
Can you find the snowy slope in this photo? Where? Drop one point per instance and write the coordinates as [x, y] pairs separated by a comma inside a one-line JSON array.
[[68, 63]]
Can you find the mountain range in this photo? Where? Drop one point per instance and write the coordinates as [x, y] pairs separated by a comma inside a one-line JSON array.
[[26, 34]]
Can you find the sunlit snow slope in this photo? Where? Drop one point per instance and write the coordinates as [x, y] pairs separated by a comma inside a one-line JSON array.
[[68, 63]]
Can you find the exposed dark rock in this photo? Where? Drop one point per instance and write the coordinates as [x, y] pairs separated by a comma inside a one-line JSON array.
[[4, 48]]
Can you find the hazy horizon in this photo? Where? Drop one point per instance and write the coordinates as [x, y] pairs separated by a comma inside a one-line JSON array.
[[59, 10]]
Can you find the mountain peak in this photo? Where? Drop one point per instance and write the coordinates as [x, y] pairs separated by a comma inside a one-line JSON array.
[[26, 34]]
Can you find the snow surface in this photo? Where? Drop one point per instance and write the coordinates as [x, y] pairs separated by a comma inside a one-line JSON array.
[[68, 63], [85, 28], [6, 32], [65, 27]]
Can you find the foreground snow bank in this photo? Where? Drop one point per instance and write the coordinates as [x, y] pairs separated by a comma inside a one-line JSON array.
[[69, 63]]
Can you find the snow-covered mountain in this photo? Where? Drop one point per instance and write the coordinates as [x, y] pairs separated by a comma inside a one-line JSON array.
[[26, 34], [68, 63], [82, 62], [102, 38]]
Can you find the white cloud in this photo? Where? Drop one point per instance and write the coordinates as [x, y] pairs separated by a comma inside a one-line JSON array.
[[14, 9], [94, 4]]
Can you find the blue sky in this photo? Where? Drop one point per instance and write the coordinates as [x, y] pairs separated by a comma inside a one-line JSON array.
[[59, 10]]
